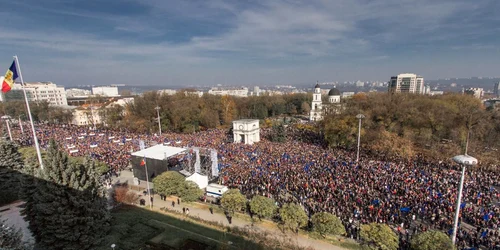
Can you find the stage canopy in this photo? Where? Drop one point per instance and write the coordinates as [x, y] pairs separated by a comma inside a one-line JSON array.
[[199, 179], [159, 152]]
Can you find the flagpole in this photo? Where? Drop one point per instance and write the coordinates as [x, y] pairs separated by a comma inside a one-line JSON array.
[[147, 182], [38, 153], [8, 128], [21, 125]]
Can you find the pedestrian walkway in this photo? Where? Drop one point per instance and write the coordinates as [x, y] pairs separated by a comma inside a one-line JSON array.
[[204, 213]]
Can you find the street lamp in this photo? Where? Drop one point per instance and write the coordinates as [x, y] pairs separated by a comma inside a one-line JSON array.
[[158, 113], [6, 118], [360, 117], [464, 160], [113, 246]]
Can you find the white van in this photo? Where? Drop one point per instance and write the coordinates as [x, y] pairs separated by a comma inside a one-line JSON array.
[[216, 190]]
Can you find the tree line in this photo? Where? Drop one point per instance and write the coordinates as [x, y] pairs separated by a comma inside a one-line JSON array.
[[186, 112], [41, 112], [405, 125]]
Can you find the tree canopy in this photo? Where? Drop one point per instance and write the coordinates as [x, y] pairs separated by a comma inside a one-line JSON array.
[[65, 204], [232, 201], [262, 206], [327, 223], [405, 125], [169, 183], [190, 191], [12, 238], [431, 240], [377, 236], [11, 164], [293, 216]]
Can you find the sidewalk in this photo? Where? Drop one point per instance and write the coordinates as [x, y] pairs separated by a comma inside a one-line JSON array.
[[205, 214]]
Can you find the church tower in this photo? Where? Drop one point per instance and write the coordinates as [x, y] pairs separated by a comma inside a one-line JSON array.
[[316, 113]]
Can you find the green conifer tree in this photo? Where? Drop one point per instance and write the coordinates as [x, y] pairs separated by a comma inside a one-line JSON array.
[[66, 208], [10, 165]]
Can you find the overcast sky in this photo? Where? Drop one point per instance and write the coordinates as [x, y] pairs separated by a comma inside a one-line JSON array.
[[164, 42]]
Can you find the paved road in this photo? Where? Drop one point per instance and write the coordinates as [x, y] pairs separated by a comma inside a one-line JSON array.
[[204, 213]]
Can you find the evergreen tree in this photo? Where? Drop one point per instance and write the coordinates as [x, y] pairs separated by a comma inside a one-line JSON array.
[[11, 238], [10, 165], [278, 133], [66, 207]]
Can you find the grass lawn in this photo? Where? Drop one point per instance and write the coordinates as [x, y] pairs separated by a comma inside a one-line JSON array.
[[132, 227]]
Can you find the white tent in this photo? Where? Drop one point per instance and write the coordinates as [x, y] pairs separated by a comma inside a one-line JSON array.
[[200, 180]]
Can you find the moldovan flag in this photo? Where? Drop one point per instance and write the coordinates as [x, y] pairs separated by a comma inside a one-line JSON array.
[[9, 78]]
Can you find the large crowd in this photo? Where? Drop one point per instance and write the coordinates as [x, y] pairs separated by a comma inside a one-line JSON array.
[[412, 195]]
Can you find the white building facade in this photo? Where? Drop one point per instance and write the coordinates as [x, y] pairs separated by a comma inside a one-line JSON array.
[[316, 113], [407, 83], [476, 92], [44, 91], [105, 91], [320, 109], [496, 90], [73, 92], [238, 92], [86, 117], [246, 131]]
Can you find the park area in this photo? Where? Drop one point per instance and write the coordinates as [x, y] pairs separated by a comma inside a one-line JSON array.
[[137, 228]]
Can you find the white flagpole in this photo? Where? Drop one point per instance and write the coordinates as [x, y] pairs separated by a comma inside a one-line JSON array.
[[21, 125], [39, 154], [8, 128]]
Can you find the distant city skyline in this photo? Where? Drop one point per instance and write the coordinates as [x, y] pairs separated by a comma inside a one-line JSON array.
[[172, 43]]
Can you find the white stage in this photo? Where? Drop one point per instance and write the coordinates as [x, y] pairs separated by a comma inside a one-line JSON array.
[[159, 152]]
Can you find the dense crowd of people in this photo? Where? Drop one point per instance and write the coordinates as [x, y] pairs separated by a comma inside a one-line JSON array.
[[412, 195]]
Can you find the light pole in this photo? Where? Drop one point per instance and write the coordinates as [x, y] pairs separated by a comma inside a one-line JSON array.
[[464, 160], [6, 118], [360, 117], [113, 246], [158, 113]]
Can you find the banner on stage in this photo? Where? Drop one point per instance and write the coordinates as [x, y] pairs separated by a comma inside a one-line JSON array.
[[215, 164]]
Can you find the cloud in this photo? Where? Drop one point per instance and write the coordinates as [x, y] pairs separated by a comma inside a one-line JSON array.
[[219, 35]]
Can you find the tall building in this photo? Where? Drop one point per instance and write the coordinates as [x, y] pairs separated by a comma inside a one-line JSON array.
[[37, 92], [105, 91], [407, 83], [476, 92], [496, 89], [256, 91]]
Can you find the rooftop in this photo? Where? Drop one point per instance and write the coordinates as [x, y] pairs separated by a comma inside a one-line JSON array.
[[159, 152], [246, 120]]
